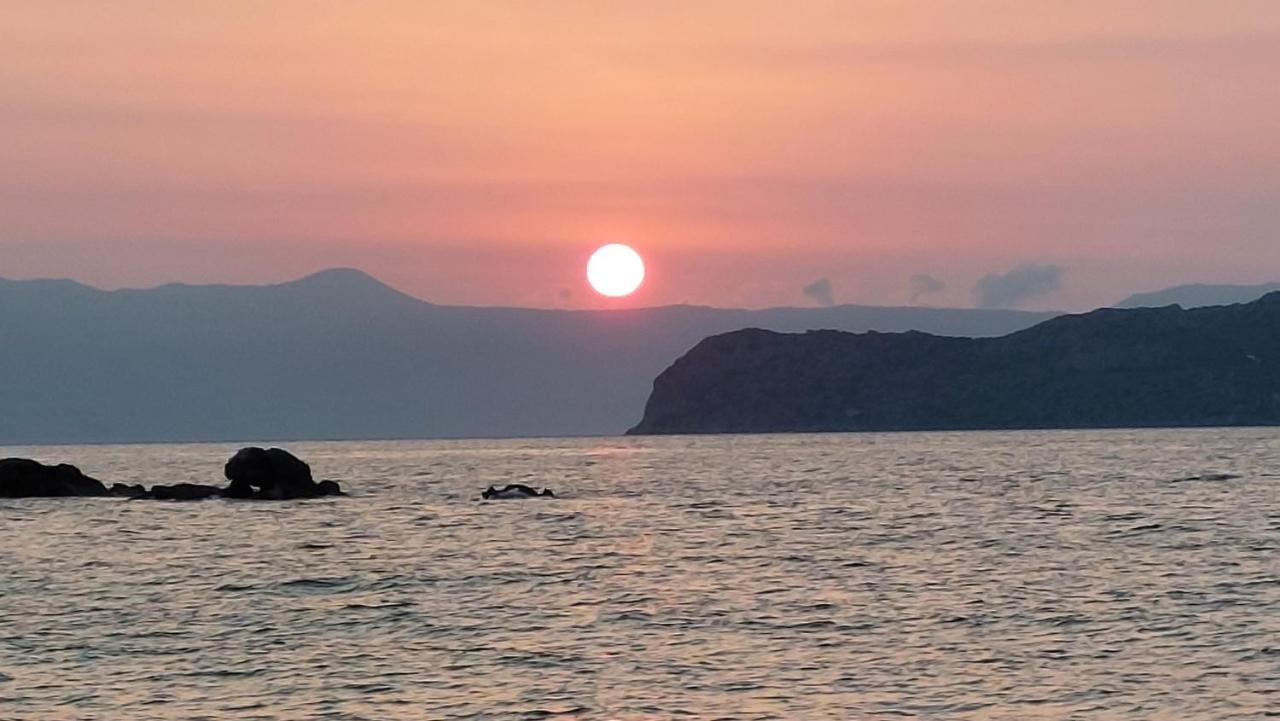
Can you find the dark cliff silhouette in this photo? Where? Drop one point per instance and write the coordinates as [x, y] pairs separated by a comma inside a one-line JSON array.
[[1151, 367], [339, 355]]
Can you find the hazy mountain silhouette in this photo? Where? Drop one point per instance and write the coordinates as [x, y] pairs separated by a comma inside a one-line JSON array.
[[1146, 367], [340, 355], [1199, 296]]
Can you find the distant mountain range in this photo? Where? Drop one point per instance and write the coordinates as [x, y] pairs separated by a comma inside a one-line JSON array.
[[341, 355], [1147, 367], [1199, 296]]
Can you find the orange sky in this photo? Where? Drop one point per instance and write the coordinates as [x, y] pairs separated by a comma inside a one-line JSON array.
[[477, 152]]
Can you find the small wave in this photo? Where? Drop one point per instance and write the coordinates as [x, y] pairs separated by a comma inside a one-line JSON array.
[[251, 706], [541, 713], [377, 606], [370, 688], [631, 615], [1211, 477], [1141, 530], [316, 583], [808, 625], [221, 673], [978, 620], [1068, 620], [1127, 516], [76, 699]]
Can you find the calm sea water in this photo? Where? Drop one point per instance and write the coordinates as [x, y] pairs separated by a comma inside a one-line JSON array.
[[1054, 575]]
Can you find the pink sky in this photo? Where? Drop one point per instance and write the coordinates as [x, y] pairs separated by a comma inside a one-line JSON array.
[[477, 152]]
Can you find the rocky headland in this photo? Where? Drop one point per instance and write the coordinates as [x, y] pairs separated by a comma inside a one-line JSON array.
[[1145, 367]]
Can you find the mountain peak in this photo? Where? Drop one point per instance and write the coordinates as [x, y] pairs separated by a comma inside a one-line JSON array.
[[349, 282], [345, 277]]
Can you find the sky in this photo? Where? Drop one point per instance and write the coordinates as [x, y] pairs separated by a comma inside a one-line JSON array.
[[1021, 153]]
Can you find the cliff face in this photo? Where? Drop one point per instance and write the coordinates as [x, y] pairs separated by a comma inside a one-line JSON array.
[[1147, 367]]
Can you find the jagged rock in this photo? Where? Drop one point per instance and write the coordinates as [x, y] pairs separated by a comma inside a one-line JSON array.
[[25, 478], [183, 492], [273, 474]]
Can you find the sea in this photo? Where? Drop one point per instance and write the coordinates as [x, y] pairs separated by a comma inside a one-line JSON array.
[[1021, 576]]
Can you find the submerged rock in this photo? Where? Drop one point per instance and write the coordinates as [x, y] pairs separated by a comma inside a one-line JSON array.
[[273, 474], [514, 491], [330, 488], [25, 478]]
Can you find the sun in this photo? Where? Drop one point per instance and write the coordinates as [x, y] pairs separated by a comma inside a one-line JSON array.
[[615, 270]]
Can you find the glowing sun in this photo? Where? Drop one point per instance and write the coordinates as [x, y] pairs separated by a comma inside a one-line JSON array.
[[615, 270]]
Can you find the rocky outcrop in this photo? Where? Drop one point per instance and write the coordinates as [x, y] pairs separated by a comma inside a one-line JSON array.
[[273, 474], [514, 491], [25, 478], [1146, 367]]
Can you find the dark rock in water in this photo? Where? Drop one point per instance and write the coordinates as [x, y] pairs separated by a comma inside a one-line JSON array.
[[183, 492], [267, 469], [126, 491], [1148, 367], [513, 491], [273, 474], [238, 489], [25, 478], [330, 488]]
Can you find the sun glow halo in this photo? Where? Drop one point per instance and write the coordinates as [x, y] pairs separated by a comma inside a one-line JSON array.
[[615, 270]]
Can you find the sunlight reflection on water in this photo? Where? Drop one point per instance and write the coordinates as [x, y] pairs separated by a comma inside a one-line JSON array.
[[963, 576]]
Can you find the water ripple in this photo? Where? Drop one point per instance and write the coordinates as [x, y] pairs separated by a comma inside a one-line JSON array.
[[1084, 575]]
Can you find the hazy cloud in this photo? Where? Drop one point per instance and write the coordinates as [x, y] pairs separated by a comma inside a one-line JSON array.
[[1022, 283], [820, 292], [923, 284]]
